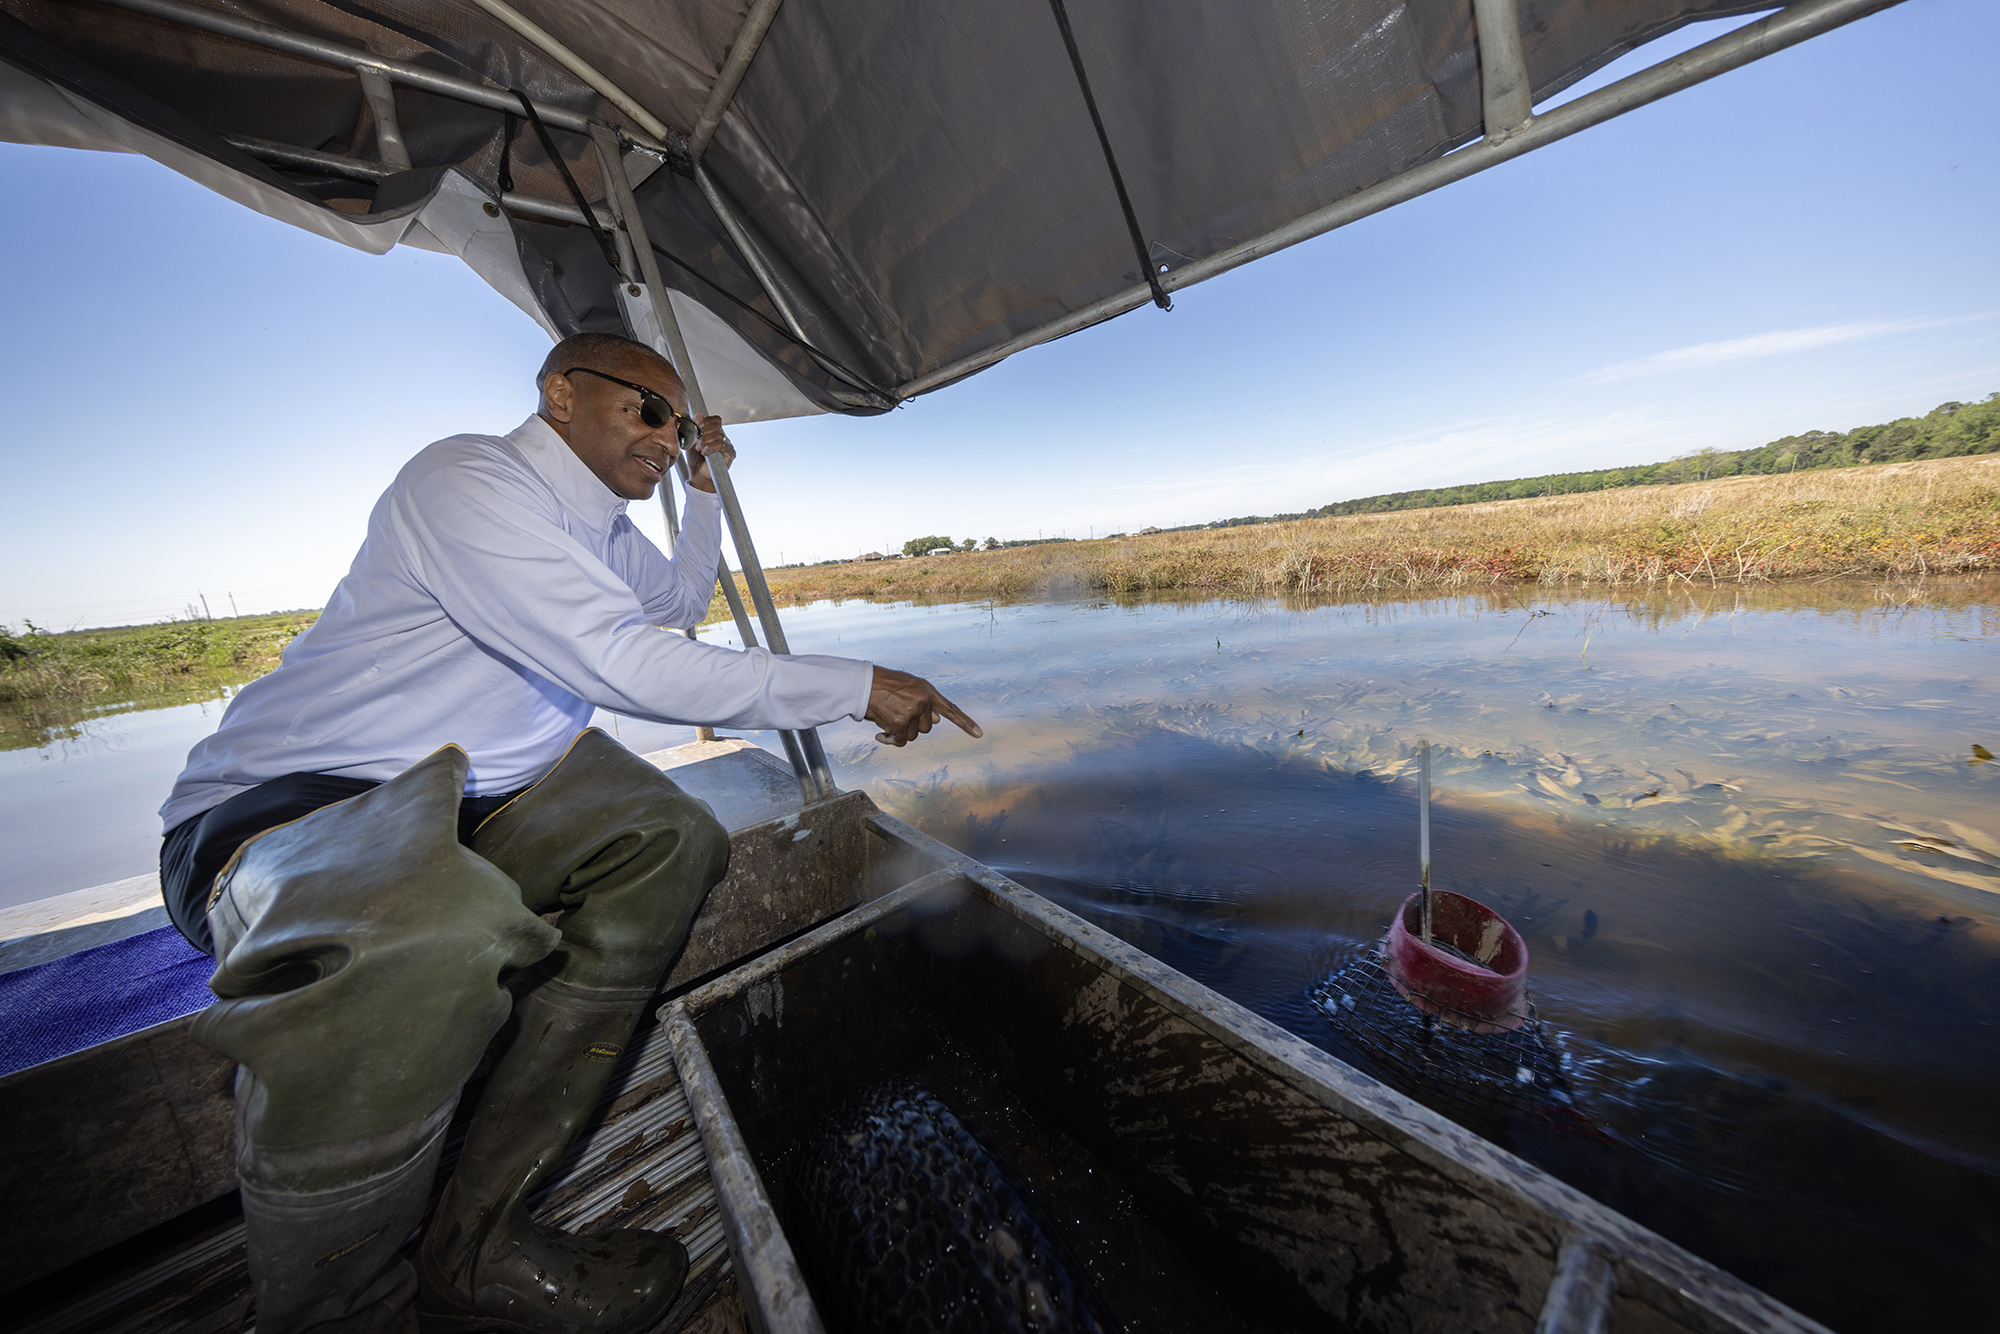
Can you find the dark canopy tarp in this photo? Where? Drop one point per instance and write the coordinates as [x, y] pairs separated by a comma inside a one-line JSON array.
[[923, 178]]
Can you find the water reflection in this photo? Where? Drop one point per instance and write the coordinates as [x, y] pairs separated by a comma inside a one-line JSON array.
[[1781, 1020], [79, 808], [1740, 830], [1801, 722], [76, 724]]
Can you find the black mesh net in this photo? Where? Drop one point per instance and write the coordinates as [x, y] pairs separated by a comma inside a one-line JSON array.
[[907, 1221]]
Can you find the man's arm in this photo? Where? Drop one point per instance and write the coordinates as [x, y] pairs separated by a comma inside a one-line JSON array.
[[676, 592], [478, 541]]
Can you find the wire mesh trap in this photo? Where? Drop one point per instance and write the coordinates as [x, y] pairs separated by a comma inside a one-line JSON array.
[[910, 1222], [1479, 1079]]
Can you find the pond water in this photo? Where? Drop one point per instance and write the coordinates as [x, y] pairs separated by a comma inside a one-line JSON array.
[[1745, 834]]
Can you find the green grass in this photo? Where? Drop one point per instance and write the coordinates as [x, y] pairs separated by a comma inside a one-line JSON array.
[[95, 665]]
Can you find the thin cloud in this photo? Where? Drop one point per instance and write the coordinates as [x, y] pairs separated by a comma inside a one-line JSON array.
[[1774, 344]]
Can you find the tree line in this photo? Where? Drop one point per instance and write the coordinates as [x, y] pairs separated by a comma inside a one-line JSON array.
[[1949, 430]]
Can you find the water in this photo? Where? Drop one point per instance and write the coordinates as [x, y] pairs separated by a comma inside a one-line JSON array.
[[77, 800], [1743, 836], [1743, 833], [80, 790]]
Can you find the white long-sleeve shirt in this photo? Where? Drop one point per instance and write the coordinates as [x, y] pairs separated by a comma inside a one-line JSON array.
[[500, 595]]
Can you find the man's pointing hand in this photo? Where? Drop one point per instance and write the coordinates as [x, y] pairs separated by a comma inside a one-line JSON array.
[[905, 706]]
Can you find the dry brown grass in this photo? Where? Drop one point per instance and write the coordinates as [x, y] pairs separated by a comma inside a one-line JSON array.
[[1935, 517]]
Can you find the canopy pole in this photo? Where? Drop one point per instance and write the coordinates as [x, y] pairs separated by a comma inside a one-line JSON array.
[[759, 265], [274, 38], [381, 97], [703, 733], [1503, 70], [759, 270], [808, 789], [543, 40], [816, 771], [1767, 36], [730, 77]]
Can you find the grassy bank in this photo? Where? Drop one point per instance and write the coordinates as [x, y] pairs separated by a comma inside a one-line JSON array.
[[140, 659], [1907, 519], [1934, 517]]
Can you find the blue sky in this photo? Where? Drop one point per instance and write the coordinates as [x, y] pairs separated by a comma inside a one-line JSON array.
[[207, 402]]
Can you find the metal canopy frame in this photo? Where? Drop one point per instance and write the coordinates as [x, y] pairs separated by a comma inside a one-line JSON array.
[[1511, 128], [741, 51], [393, 71]]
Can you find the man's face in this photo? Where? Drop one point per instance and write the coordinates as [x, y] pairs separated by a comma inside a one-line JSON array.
[[601, 422]]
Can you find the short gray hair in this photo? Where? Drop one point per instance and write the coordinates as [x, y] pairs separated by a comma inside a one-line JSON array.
[[595, 350]]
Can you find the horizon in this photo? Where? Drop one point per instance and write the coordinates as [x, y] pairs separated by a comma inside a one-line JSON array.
[[1802, 244]]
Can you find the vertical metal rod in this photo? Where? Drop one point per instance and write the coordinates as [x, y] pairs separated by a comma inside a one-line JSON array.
[[801, 766], [628, 263], [703, 733], [809, 789], [381, 95], [809, 757], [1424, 830], [718, 470], [1503, 70]]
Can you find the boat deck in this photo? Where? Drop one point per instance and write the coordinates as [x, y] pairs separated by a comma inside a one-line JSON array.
[[641, 1165]]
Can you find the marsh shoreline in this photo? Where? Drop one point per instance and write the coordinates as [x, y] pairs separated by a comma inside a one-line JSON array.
[[1917, 529], [1898, 520]]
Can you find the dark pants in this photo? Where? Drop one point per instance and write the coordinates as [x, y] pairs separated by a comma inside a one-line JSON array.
[[197, 848]]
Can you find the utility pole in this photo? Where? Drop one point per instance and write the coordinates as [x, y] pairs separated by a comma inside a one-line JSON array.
[[204, 606]]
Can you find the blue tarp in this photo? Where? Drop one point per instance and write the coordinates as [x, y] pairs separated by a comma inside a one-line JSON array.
[[94, 995]]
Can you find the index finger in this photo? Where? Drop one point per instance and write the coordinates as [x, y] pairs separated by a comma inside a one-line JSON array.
[[957, 715]]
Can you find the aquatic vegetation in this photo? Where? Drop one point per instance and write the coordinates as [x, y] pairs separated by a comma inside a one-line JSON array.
[[49, 682], [1901, 520]]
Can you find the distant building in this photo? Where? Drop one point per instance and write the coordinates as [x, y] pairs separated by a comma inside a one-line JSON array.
[[873, 555], [1144, 531]]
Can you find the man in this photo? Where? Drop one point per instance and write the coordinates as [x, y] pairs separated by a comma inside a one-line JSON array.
[[410, 807]]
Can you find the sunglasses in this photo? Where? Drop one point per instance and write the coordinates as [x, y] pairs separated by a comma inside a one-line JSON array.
[[654, 409]]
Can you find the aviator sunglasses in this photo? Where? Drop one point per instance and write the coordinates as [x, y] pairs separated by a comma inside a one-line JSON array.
[[654, 409]]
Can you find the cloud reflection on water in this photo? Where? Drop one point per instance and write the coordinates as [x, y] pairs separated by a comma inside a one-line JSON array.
[[1782, 1015]]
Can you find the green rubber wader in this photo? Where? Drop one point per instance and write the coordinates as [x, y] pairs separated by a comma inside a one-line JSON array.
[[359, 955], [626, 858]]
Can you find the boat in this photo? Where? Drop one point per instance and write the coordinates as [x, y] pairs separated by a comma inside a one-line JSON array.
[[1253, 1178], [696, 178]]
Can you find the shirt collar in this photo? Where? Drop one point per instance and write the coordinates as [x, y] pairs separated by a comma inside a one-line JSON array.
[[576, 486]]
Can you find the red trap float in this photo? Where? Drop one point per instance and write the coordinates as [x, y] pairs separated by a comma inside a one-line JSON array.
[[1440, 1009], [1470, 969]]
